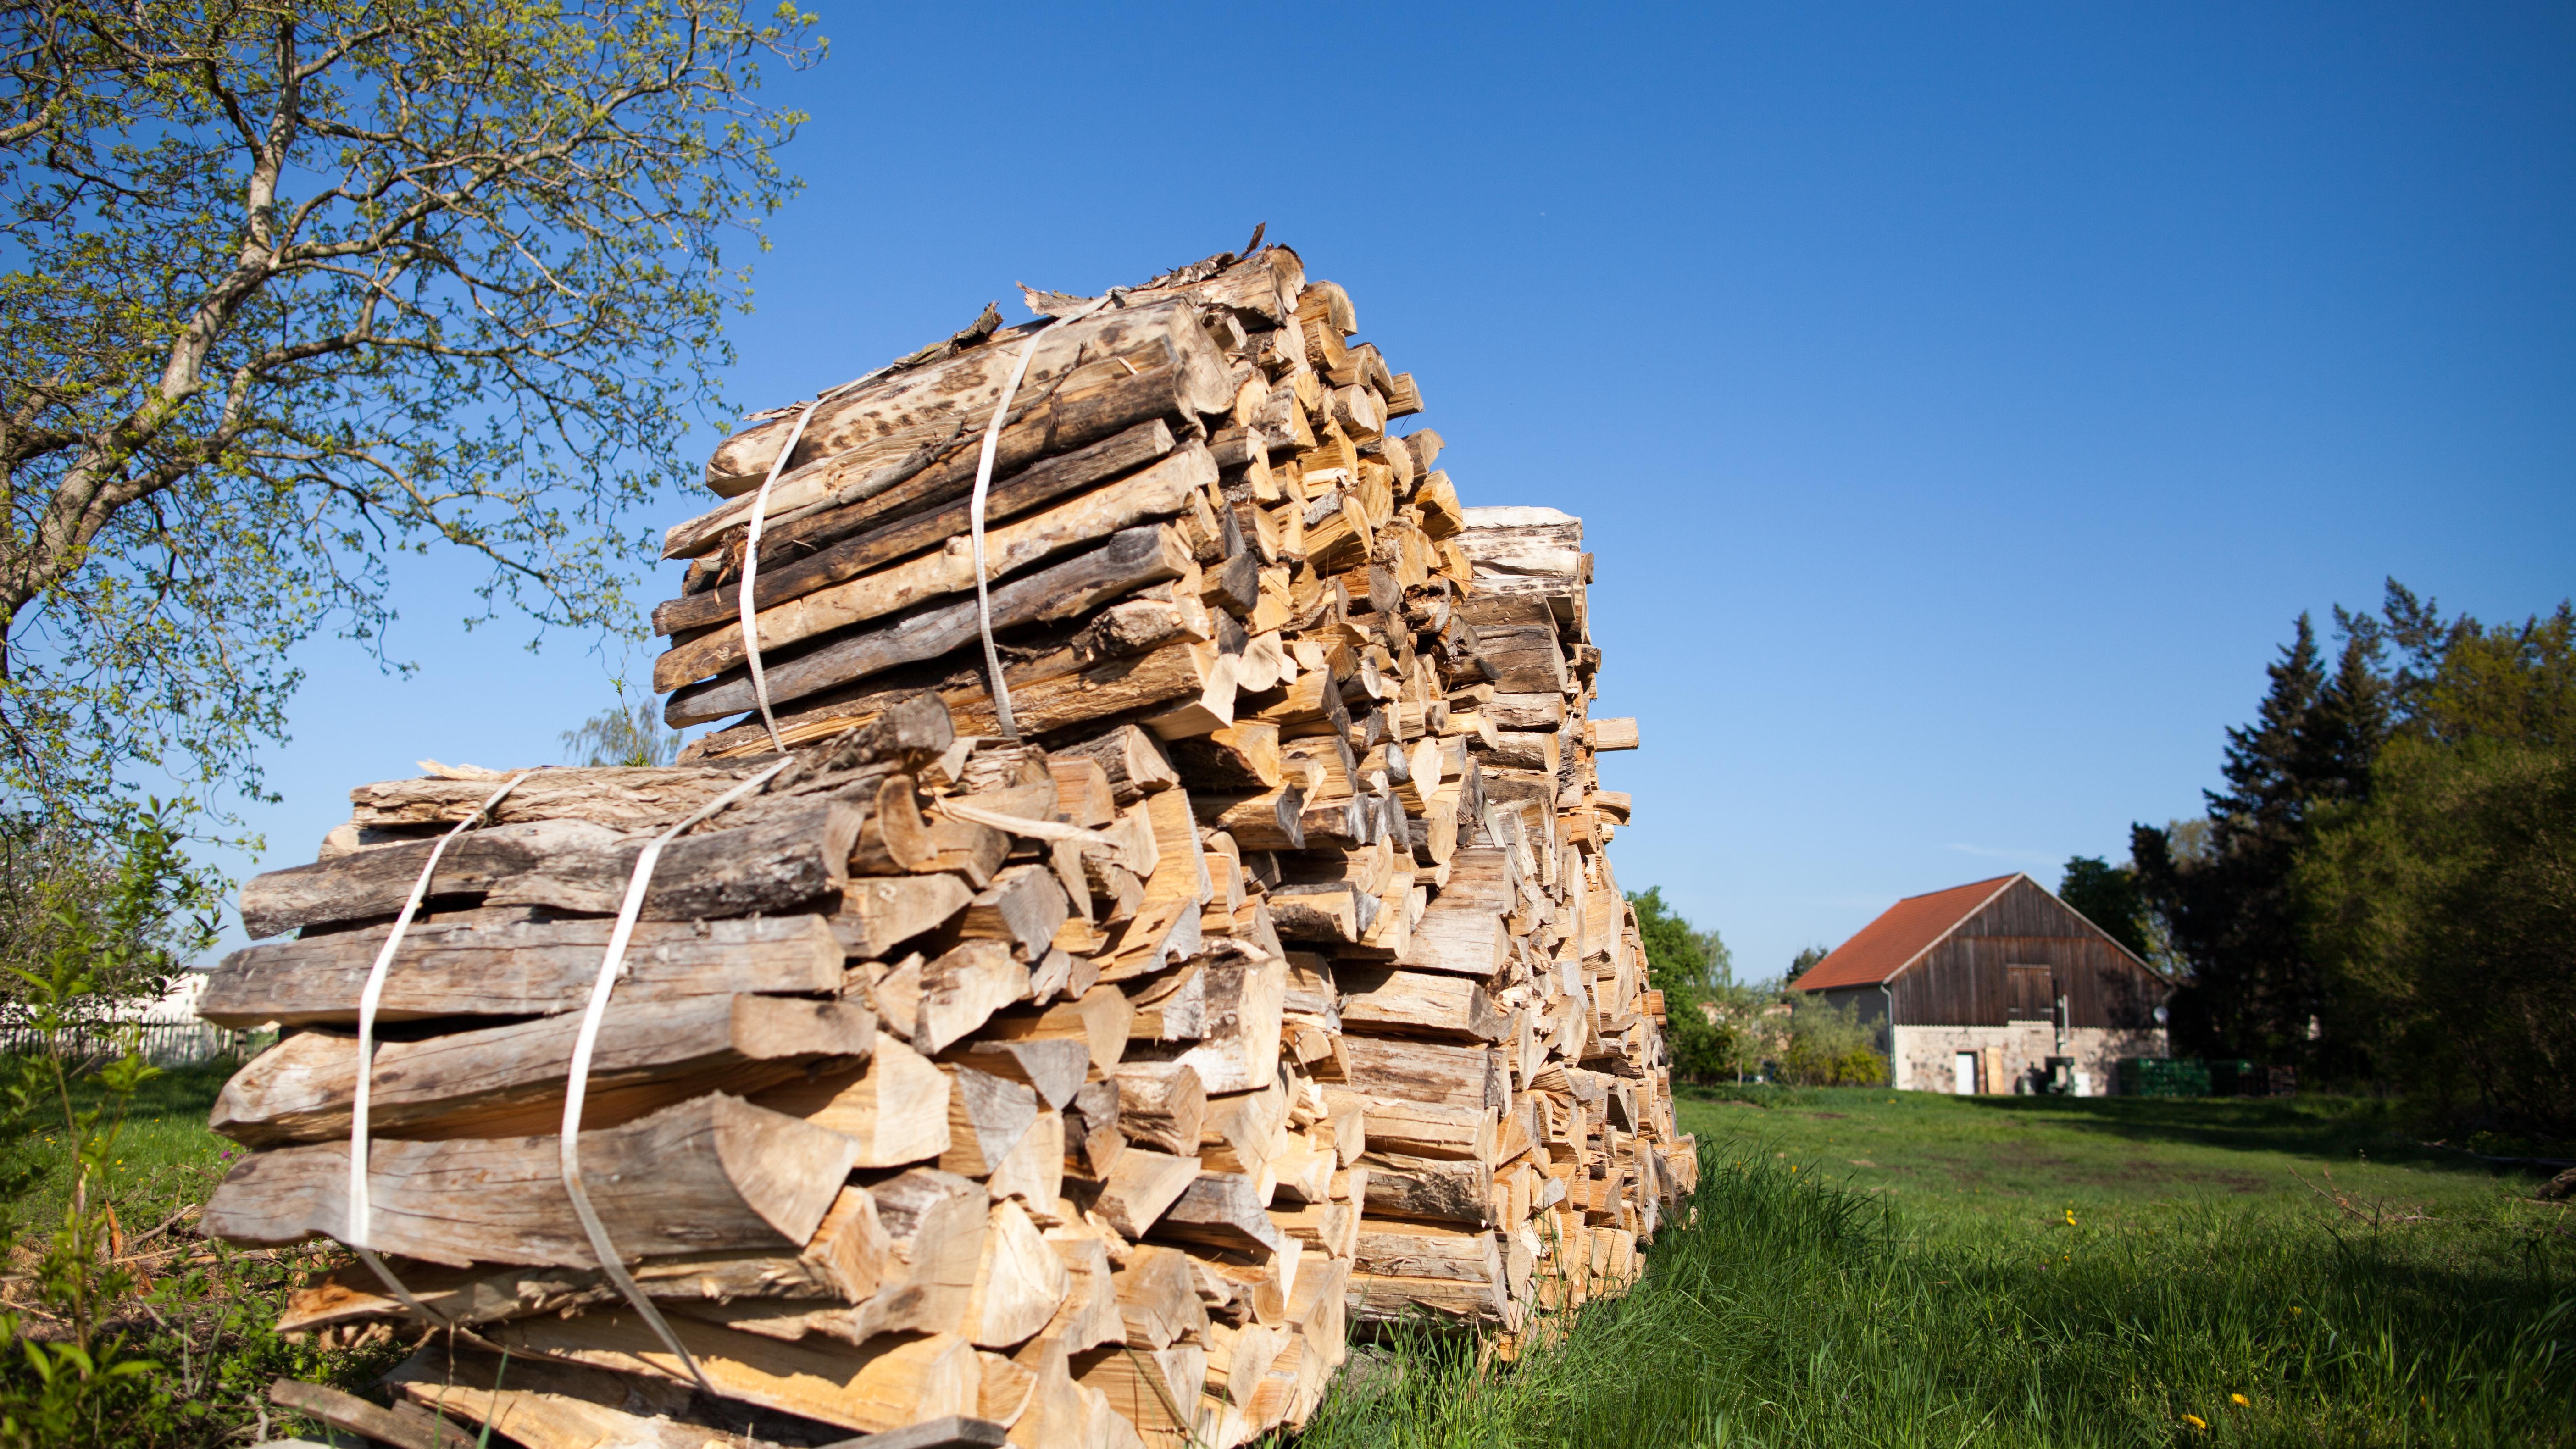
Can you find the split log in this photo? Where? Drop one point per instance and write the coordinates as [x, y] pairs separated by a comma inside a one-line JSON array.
[[1222, 1210], [509, 1080], [1421, 1071], [711, 1174], [879, 913], [1134, 761], [797, 561], [1019, 1283], [895, 1111], [1391, 1002], [1161, 1105], [519, 969], [1098, 1018], [1439, 1189], [1141, 1187], [769, 868], [1155, 493], [1124, 564], [885, 1385]]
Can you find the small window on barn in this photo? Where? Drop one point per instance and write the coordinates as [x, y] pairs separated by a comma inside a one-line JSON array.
[[2030, 995]]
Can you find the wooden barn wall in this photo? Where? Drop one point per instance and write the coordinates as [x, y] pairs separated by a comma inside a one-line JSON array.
[[1961, 982]]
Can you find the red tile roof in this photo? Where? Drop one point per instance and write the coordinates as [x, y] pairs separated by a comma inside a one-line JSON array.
[[1901, 933]]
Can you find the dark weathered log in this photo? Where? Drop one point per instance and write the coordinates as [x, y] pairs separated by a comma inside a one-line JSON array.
[[1158, 492], [622, 797], [790, 572], [710, 1174], [509, 1080], [966, 387], [790, 859], [1080, 684], [1129, 561], [516, 970]]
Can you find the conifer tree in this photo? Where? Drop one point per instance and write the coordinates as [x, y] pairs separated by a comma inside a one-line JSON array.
[[2235, 916]]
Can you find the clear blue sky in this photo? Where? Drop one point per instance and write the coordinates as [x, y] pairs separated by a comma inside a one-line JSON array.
[[1961, 400]]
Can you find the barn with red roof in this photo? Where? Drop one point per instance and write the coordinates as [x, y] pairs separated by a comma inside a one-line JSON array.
[[1996, 986]]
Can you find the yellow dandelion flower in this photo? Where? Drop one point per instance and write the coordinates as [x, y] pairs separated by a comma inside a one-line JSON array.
[[2070, 1217], [2197, 1422], [2296, 1310], [2240, 1401]]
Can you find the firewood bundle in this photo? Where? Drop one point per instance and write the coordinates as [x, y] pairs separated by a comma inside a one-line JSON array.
[[1093, 1083]]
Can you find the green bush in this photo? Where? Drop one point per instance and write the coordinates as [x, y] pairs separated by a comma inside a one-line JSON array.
[[1828, 1047]]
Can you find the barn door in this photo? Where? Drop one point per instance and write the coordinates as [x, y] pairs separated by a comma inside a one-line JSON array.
[[2030, 993]]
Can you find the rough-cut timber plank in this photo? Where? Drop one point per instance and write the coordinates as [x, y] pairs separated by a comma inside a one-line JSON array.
[[711, 1174], [797, 567], [773, 866], [509, 1080], [516, 970], [888, 1384], [546, 1405], [1125, 563], [1158, 492], [623, 797], [964, 388]]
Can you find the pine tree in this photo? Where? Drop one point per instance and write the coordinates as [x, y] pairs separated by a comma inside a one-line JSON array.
[[2235, 915]]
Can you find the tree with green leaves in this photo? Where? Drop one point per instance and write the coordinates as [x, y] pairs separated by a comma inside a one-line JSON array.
[[631, 734], [1805, 961], [1696, 973], [2109, 897], [296, 289], [2442, 902]]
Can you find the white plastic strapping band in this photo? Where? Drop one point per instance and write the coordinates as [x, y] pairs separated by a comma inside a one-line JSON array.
[[984, 485], [751, 572], [577, 1085], [361, 1214]]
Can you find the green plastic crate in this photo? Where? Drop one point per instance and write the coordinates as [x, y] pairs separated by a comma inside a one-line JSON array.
[[2163, 1077], [2236, 1077]]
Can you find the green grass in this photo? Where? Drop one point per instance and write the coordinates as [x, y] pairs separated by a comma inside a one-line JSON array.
[[1867, 1271], [202, 1313], [166, 1160]]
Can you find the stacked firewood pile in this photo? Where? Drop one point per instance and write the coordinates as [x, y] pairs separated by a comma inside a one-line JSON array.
[[1092, 1082]]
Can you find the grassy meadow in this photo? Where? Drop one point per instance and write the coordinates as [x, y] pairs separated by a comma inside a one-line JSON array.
[[1869, 1268], [1865, 1269]]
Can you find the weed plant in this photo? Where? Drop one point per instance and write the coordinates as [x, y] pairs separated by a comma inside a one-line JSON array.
[[1793, 1311]]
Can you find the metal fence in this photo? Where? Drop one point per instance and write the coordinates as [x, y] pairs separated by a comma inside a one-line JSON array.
[[163, 1043]]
